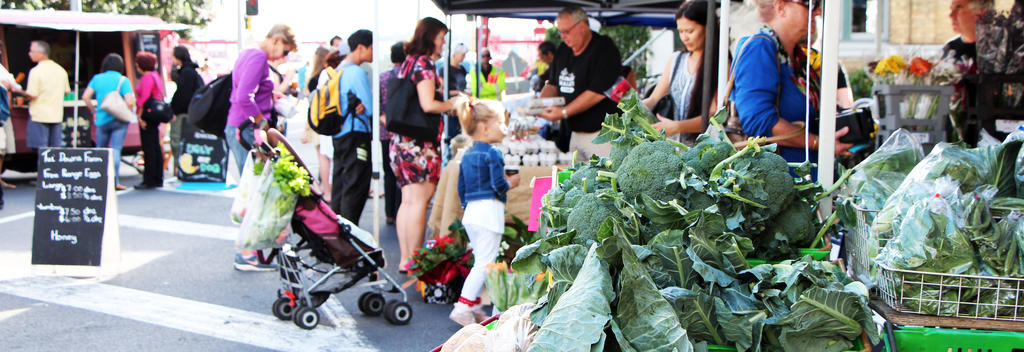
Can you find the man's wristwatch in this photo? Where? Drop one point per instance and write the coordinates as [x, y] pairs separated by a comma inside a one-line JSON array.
[[564, 114]]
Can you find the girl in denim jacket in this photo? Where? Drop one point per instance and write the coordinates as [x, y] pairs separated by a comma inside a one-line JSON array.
[[482, 188]]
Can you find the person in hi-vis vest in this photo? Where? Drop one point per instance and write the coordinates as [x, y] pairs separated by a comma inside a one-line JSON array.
[[493, 85]]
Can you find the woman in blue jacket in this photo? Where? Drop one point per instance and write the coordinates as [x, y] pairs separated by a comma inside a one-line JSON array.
[[770, 78]]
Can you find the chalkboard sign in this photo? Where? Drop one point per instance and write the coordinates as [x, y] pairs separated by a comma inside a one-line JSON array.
[[74, 208], [204, 156]]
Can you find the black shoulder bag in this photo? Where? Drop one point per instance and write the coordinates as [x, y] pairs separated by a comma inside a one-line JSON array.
[[405, 115], [665, 106]]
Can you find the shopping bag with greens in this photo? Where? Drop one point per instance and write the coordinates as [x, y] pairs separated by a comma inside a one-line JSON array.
[[247, 184], [271, 207]]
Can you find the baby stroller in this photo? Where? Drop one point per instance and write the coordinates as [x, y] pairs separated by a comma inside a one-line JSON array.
[[327, 254]]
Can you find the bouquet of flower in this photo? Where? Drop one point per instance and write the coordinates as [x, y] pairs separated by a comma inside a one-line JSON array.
[[443, 259]]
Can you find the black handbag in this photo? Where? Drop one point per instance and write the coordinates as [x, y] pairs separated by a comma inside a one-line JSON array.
[[665, 106], [156, 111], [405, 116]]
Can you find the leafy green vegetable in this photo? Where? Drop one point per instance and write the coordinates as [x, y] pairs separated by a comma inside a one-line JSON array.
[[826, 319], [696, 312], [647, 320], [578, 319]]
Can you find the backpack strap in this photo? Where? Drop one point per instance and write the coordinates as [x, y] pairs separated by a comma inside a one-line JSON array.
[[778, 96]]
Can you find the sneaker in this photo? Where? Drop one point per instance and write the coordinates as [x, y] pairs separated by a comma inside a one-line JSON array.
[[252, 264], [462, 314], [479, 315]]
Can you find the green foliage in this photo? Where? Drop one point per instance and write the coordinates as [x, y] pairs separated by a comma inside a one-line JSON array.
[[173, 11], [288, 175], [628, 39], [860, 83]]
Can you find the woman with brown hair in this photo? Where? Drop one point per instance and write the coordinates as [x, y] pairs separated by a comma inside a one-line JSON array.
[[417, 164], [150, 86]]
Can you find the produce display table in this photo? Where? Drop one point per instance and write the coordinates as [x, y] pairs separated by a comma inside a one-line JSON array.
[[910, 319], [446, 207]]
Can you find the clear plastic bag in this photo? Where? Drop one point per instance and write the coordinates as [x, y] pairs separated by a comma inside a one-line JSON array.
[[246, 186], [269, 212], [930, 236], [878, 176]]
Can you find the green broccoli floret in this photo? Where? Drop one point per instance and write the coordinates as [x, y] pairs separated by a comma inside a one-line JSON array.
[[758, 180], [706, 154], [650, 169], [617, 155], [797, 223], [572, 197], [588, 215]]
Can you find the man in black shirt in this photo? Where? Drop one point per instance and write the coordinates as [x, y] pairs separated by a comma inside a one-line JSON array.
[[585, 70], [964, 15]]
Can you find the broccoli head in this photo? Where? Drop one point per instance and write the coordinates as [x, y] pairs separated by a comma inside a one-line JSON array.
[[649, 169], [588, 215], [756, 185], [708, 152], [617, 155], [573, 196], [797, 222]]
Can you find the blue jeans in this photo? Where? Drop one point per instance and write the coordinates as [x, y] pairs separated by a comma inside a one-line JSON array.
[[111, 135], [235, 146]]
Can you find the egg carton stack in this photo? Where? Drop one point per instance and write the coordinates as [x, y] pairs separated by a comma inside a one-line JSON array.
[[532, 151]]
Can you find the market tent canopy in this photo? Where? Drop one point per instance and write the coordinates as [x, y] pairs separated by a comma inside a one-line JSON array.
[[654, 13], [85, 21]]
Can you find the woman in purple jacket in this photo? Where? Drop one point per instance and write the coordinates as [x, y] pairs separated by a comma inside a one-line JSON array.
[[252, 98]]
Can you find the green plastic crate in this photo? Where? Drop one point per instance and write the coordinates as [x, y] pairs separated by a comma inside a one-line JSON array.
[[816, 253], [720, 348], [915, 339], [563, 175]]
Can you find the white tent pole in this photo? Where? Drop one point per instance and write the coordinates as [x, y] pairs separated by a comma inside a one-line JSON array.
[[74, 119], [240, 11], [445, 153], [829, 81], [723, 53], [376, 158]]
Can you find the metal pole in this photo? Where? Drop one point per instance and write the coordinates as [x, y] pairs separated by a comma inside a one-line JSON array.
[[241, 23], [376, 158], [479, 68], [709, 47], [74, 118], [829, 81], [445, 153], [723, 52]]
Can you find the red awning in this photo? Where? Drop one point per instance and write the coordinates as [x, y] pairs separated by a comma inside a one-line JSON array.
[[84, 21]]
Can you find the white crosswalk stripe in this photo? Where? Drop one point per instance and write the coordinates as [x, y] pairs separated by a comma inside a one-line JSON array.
[[182, 314]]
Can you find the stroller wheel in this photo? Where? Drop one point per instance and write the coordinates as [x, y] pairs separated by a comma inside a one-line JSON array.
[[306, 317], [398, 313], [371, 303], [282, 308]]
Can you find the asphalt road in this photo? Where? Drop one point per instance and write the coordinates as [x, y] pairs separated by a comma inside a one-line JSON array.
[[177, 288]]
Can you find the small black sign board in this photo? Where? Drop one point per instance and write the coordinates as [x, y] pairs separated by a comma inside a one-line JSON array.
[[71, 207], [204, 156]]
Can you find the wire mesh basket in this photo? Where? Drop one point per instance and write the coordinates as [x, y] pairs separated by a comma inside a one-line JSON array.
[[860, 251], [952, 295]]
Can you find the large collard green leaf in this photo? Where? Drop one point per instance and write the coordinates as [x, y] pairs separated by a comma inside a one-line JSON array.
[[646, 319], [742, 327], [826, 320], [565, 264], [696, 312], [577, 320], [670, 261], [718, 256], [528, 258]]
